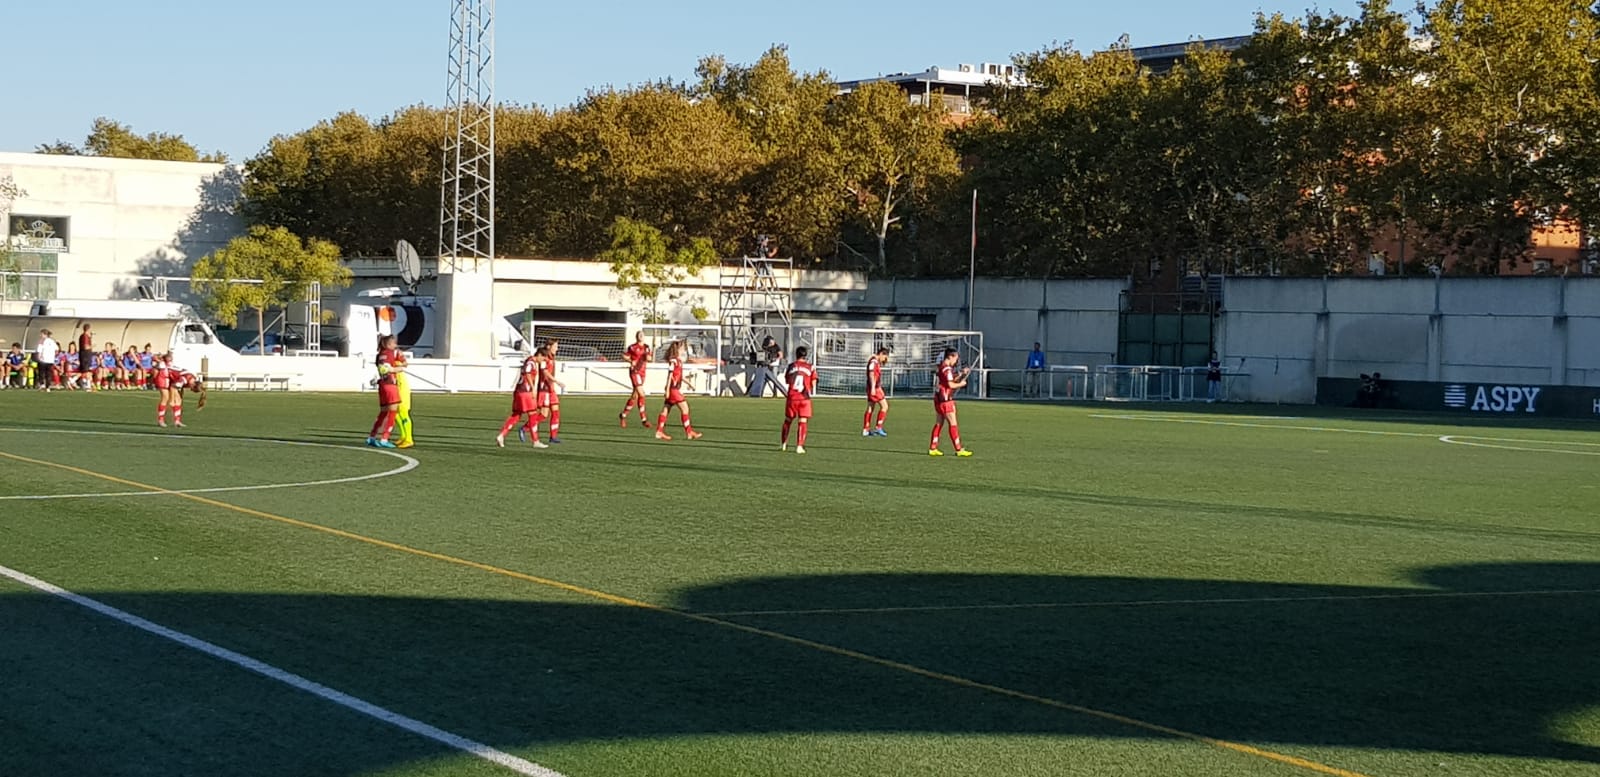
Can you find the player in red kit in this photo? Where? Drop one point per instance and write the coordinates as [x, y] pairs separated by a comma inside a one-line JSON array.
[[801, 380], [524, 400], [675, 395], [550, 391], [944, 402], [164, 392], [638, 363], [389, 362], [876, 398]]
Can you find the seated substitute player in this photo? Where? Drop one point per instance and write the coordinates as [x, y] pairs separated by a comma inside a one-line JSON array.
[[876, 399], [638, 365], [944, 402], [675, 395], [801, 380], [12, 368], [524, 403]]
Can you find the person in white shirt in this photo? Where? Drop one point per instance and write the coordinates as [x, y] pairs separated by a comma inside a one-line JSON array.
[[46, 354]]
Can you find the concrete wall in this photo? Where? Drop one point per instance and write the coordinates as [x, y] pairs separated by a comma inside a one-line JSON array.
[[1287, 332], [128, 217]]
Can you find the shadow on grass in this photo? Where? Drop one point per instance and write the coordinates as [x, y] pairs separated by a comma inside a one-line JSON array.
[[1468, 670]]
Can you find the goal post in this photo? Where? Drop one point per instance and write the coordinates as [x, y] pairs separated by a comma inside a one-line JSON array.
[[840, 356], [593, 356]]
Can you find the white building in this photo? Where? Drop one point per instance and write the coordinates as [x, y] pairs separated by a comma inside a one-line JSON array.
[[99, 228]]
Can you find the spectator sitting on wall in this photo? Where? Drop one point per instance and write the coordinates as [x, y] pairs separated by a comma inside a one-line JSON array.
[[1371, 392]]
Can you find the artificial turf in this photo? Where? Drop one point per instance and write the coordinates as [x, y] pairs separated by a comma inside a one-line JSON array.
[[1333, 591]]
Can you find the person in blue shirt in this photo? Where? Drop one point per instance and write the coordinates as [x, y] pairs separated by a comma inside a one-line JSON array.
[[1035, 369], [14, 367], [147, 365]]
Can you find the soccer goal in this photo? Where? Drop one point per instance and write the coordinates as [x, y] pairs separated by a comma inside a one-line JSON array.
[[840, 356], [593, 356]]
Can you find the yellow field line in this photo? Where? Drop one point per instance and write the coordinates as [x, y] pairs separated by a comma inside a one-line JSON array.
[[912, 669]]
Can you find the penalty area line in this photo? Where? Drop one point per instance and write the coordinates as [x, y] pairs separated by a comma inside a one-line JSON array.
[[412, 725]]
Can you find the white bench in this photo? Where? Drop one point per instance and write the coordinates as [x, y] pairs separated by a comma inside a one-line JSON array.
[[249, 382]]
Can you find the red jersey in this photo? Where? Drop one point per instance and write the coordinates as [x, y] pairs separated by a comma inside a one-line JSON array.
[[874, 375], [162, 373], [801, 378], [675, 377], [945, 391], [527, 376], [639, 357], [547, 377]]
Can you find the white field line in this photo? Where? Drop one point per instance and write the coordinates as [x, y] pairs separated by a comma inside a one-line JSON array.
[[477, 749], [1155, 603], [1453, 439], [407, 465]]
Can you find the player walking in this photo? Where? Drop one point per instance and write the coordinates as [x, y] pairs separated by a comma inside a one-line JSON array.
[[524, 402], [389, 362], [944, 402], [638, 364], [876, 399], [554, 387], [801, 380], [675, 395]]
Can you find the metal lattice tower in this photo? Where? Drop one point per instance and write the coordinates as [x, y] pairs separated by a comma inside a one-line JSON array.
[[757, 299], [466, 211]]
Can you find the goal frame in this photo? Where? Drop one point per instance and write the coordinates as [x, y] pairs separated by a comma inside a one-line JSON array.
[[840, 356], [599, 365]]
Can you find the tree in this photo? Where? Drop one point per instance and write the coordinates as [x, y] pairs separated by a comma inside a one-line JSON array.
[[284, 267], [792, 190], [645, 263], [891, 154], [1510, 96], [108, 138], [9, 265]]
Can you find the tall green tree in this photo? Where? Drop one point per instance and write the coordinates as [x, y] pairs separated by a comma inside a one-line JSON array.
[[109, 138], [791, 191], [892, 155], [1511, 96], [647, 264], [281, 266]]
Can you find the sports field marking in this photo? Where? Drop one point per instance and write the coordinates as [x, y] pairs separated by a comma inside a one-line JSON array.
[[1151, 603], [407, 465], [1491, 442], [1248, 425], [887, 663], [477, 749]]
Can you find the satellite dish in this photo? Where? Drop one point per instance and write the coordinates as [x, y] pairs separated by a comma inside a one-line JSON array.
[[410, 264]]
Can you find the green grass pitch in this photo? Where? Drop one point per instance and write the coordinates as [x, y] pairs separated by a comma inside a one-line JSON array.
[[1101, 590]]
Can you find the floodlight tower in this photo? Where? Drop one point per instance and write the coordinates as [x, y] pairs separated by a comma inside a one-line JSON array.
[[466, 212]]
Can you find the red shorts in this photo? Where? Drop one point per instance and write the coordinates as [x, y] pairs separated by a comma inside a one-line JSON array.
[[163, 383], [388, 394], [944, 408], [522, 402], [797, 408], [638, 379], [674, 397], [874, 397], [546, 399]]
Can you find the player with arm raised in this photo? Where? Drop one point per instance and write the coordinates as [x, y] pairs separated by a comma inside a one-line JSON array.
[[638, 365], [876, 398], [524, 402], [675, 395], [801, 382], [944, 402]]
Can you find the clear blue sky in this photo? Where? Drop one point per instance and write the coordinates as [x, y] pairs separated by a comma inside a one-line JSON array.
[[230, 75]]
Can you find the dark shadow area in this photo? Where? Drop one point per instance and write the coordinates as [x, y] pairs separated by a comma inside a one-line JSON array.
[[1478, 666], [214, 222]]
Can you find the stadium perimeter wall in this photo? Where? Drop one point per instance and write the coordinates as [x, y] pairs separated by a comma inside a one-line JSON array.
[[1287, 332]]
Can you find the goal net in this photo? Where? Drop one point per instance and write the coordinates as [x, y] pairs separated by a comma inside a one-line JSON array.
[[593, 356], [840, 356]]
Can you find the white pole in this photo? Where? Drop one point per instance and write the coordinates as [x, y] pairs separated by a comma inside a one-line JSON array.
[[972, 263]]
